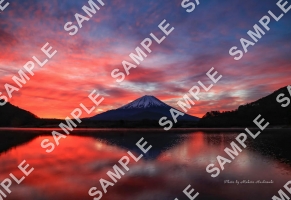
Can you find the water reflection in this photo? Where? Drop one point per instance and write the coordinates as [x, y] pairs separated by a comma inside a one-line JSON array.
[[175, 161]]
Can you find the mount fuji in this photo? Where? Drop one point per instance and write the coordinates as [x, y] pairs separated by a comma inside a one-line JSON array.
[[146, 107]]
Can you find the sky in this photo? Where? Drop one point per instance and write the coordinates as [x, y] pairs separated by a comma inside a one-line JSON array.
[[201, 40]]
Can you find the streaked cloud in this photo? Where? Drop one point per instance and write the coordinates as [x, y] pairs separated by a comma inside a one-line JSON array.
[[201, 40]]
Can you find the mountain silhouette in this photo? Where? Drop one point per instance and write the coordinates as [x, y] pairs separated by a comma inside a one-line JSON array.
[[146, 111], [11, 116], [267, 107], [146, 107]]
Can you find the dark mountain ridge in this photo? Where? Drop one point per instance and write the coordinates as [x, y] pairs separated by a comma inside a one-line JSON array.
[[146, 111], [12, 116], [244, 115]]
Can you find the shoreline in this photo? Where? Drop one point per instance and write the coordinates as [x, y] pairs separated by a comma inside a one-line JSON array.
[[143, 129]]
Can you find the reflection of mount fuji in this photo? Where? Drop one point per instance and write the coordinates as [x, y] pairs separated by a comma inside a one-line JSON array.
[[127, 139], [146, 107]]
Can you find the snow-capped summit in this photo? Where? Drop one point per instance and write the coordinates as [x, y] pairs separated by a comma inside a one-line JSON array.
[[146, 101], [146, 107]]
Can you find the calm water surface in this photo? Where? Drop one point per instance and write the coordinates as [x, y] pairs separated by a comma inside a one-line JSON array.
[[175, 161]]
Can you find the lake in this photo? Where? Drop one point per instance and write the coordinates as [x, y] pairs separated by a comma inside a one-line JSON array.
[[177, 159]]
